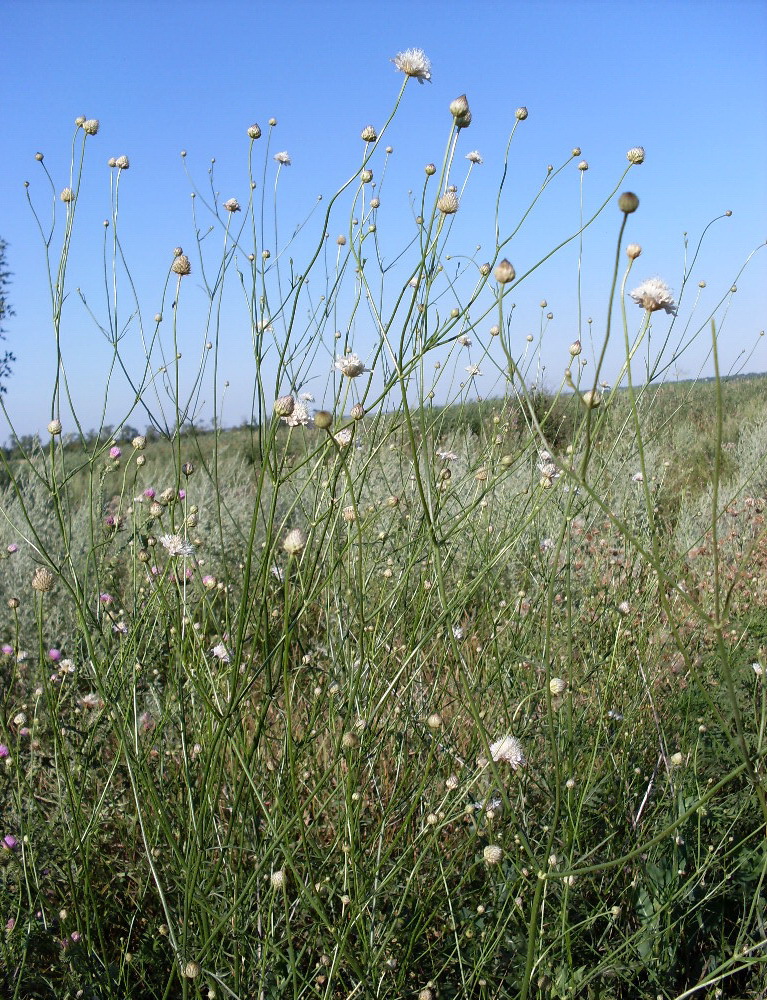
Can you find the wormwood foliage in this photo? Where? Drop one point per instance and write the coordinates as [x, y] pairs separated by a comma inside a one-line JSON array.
[[385, 698]]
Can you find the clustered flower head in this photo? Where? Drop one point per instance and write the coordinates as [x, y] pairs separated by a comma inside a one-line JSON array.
[[413, 62], [175, 545], [368, 134], [232, 205], [294, 542], [181, 265], [474, 156], [254, 132], [350, 365], [508, 750], [42, 580], [91, 126], [635, 154], [122, 162], [448, 203], [654, 294], [283, 158]]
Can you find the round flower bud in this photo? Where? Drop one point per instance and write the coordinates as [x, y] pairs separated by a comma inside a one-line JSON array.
[[181, 265], [357, 411], [557, 685], [368, 134], [323, 419], [13, 603], [111, 162], [188, 469], [592, 399], [67, 195], [635, 154], [430, 169], [42, 580], [375, 202], [191, 970], [341, 241], [272, 122], [576, 151], [434, 721], [459, 106], [294, 542], [139, 442], [349, 741], [633, 250], [448, 203], [504, 272], [493, 854], [366, 176], [54, 427], [520, 114], [484, 270], [80, 121], [575, 348], [122, 162], [583, 165], [628, 202], [39, 157], [91, 126], [232, 205], [284, 406], [254, 132]]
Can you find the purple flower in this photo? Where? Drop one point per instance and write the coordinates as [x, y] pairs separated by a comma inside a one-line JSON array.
[[9, 842], [8, 650], [4, 751], [106, 598], [109, 521], [10, 924], [13, 547], [149, 493], [54, 654], [114, 452], [182, 494]]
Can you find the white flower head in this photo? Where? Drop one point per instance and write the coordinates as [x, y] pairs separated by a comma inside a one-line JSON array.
[[508, 750], [232, 205], [283, 158], [474, 157], [654, 294], [221, 652], [464, 341], [294, 542], [447, 456], [344, 437], [350, 365], [473, 370], [413, 62], [298, 417], [175, 545]]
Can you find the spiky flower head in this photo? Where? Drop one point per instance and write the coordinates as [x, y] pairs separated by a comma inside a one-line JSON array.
[[175, 545], [368, 134], [654, 294], [91, 126], [508, 750], [254, 132], [284, 406], [283, 158], [42, 580], [122, 162], [181, 265], [67, 195], [54, 427], [520, 114], [232, 205], [350, 365], [448, 203], [413, 62], [294, 542], [504, 272], [474, 156], [635, 154], [493, 854]]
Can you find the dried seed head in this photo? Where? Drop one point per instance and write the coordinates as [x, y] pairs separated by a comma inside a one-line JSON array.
[[349, 514], [504, 272], [294, 542], [520, 114], [54, 427], [277, 879], [366, 176], [139, 442], [254, 132], [111, 162], [583, 165], [42, 580], [633, 250], [368, 134], [181, 265], [13, 603], [341, 241], [635, 154], [448, 203], [91, 126], [349, 741], [191, 970], [628, 202]]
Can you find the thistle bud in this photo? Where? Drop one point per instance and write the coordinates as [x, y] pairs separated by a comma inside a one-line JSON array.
[[628, 202], [504, 272]]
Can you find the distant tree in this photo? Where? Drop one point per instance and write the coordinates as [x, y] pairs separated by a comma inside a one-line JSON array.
[[6, 358]]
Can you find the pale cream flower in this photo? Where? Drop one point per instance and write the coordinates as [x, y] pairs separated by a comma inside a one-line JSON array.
[[654, 294], [283, 158], [294, 542], [232, 205], [350, 365], [474, 156], [175, 545], [448, 203], [493, 854], [413, 62], [508, 750], [635, 154]]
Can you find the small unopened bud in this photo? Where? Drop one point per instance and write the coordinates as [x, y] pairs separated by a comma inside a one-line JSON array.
[[633, 250], [188, 469], [459, 106], [39, 157], [323, 419], [635, 154], [504, 272], [357, 411], [520, 114], [628, 202], [484, 270], [67, 195], [430, 169], [592, 398], [284, 406], [54, 427], [576, 151], [254, 132], [341, 241], [575, 348]]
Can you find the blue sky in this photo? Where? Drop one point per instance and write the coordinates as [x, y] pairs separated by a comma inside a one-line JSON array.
[[686, 80]]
